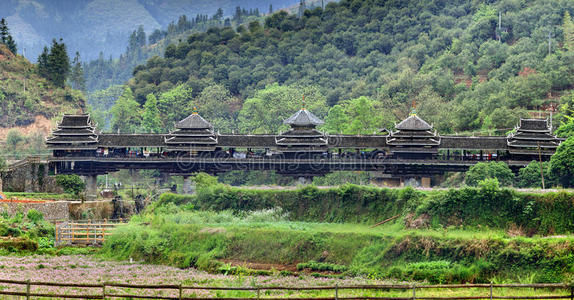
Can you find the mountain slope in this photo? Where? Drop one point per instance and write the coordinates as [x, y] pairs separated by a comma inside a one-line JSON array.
[[449, 57], [91, 26], [26, 98]]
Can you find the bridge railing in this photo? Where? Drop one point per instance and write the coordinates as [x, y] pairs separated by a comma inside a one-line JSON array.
[[29, 289]]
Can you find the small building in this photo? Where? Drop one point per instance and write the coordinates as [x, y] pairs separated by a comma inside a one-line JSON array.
[[303, 137], [75, 135], [532, 138], [193, 134], [414, 138]]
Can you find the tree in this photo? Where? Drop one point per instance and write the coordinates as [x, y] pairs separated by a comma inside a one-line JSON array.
[[268, 108], [357, 116], [126, 116], [484, 170], [562, 163], [214, 105], [55, 65], [529, 176], [151, 121], [175, 104], [568, 31], [13, 138], [218, 15], [72, 184], [6, 38], [43, 63], [77, 79]]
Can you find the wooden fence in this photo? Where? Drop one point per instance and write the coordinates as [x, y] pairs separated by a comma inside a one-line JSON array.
[[84, 233], [179, 291]]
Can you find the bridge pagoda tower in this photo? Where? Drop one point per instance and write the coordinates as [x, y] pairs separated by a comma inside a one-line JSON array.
[[303, 137], [75, 135], [193, 134], [532, 137], [414, 138]]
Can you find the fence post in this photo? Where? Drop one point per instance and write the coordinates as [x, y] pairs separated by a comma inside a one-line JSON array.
[[414, 292], [180, 291], [258, 293], [336, 291], [28, 290], [572, 293], [104, 290], [491, 290]]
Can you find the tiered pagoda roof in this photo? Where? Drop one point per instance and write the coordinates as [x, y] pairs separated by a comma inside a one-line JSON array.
[[193, 133], [74, 132], [302, 135], [413, 134], [530, 135]]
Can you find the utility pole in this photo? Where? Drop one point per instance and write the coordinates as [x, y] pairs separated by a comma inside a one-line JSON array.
[[540, 161]]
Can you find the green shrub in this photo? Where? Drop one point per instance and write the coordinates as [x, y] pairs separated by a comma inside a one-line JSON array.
[[72, 184], [35, 216]]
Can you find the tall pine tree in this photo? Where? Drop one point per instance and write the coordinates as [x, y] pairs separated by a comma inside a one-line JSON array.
[[77, 79], [6, 38], [58, 64]]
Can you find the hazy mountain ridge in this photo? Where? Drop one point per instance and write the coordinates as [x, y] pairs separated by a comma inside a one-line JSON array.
[[91, 26]]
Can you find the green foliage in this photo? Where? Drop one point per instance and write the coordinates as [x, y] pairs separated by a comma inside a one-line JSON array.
[[529, 176], [72, 184], [35, 216], [175, 104], [562, 163], [568, 31], [6, 37], [266, 110], [151, 119], [55, 64], [357, 116], [497, 170], [321, 266], [126, 115], [449, 57], [202, 239]]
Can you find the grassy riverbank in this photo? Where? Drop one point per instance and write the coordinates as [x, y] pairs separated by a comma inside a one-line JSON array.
[[468, 235]]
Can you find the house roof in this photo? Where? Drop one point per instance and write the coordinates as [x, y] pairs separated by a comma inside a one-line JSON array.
[[303, 118], [194, 121], [413, 122]]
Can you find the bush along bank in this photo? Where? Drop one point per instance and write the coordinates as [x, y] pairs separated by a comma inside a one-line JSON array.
[[192, 239], [465, 235], [486, 205]]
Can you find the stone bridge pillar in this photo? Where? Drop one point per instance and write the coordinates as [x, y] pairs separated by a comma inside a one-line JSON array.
[[92, 187], [305, 180], [187, 187]]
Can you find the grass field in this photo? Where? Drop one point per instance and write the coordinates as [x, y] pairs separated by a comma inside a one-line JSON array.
[[204, 239]]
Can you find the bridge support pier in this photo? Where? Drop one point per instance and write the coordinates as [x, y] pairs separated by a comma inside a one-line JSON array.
[[305, 180], [92, 187], [187, 187]]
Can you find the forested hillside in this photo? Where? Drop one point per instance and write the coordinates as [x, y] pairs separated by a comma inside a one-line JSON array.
[[25, 96], [361, 65], [93, 26]]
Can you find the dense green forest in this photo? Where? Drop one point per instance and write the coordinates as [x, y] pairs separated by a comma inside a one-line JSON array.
[[91, 26], [465, 70]]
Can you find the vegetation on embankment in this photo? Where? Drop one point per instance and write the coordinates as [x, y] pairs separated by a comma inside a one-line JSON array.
[[487, 205], [185, 231]]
